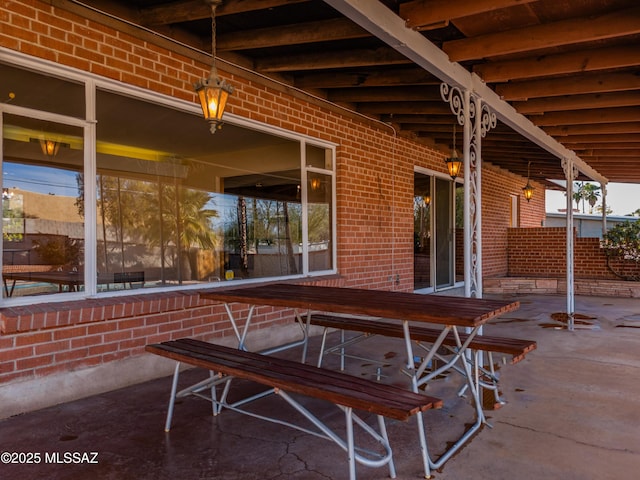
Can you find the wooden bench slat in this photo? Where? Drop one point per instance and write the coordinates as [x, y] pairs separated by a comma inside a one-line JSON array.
[[515, 347], [291, 376]]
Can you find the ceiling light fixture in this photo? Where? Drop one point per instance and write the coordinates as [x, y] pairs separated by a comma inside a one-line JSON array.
[[213, 91], [528, 189], [454, 163], [49, 147]]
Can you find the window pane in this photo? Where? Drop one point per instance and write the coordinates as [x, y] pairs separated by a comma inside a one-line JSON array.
[[422, 204], [318, 157], [42, 92], [320, 194], [42, 205], [178, 205]]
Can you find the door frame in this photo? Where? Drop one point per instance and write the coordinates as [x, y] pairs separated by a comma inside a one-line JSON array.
[[434, 233]]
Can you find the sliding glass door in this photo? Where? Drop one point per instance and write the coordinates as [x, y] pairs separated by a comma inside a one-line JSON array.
[[434, 232]]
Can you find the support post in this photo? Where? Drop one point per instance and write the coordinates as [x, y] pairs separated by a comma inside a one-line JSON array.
[[603, 187], [571, 173], [476, 119]]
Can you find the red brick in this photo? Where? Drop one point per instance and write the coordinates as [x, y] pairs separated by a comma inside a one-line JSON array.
[[32, 338], [34, 362]]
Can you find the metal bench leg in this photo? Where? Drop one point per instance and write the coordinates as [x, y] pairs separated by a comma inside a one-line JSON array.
[[351, 450], [172, 399], [322, 345], [424, 451], [342, 351]]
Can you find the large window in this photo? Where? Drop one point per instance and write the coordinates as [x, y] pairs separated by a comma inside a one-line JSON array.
[[158, 201]]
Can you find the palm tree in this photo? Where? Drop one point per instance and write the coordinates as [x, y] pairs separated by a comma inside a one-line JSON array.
[[185, 222], [586, 192], [590, 193]]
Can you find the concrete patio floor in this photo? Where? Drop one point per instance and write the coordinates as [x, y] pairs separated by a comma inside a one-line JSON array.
[[572, 412]]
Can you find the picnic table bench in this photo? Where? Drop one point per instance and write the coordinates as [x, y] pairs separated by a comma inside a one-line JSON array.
[[424, 336], [515, 347], [285, 377]]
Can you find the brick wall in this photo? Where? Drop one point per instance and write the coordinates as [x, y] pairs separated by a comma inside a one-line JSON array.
[[374, 191], [541, 252], [498, 186]]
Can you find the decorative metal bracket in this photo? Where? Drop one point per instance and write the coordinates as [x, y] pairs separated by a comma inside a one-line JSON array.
[[469, 108]]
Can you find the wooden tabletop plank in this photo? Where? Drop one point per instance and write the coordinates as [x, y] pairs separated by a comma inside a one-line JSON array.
[[439, 309]]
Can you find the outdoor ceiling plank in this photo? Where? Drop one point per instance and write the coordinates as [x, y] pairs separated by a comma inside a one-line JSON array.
[[609, 153], [619, 56], [301, 33], [579, 102], [328, 60], [596, 115], [600, 128], [189, 10], [624, 146], [435, 125], [364, 78], [579, 84], [546, 35], [423, 108], [391, 29], [422, 14], [611, 139], [385, 94]]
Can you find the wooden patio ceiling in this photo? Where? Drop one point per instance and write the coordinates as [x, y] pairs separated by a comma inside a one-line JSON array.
[[571, 67]]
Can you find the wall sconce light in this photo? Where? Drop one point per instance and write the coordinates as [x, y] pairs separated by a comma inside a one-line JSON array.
[[213, 91], [426, 198], [454, 163], [528, 189]]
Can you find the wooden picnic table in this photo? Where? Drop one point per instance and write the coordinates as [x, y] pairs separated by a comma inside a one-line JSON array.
[[450, 313], [438, 309]]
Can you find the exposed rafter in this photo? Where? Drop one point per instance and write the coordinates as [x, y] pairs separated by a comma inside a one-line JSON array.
[[561, 74]]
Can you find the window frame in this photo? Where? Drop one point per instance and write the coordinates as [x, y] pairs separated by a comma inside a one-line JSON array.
[[92, 83]]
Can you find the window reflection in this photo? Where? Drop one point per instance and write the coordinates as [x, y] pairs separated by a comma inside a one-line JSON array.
[[183, 206], [42, 209], [170, 203]]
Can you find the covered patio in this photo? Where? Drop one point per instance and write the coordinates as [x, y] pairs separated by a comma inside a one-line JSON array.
[[572, 413], [343, 103]]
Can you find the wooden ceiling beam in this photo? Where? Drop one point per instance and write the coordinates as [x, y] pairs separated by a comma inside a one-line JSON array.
[[572, 140], [575, 85], [296, 34], [419, 108], [579, 102], [610, 153], [366, 78], [384, 94], [328, 60], [593, 116], [189, 10], [558, 64], [609, 148], [547, 35], [600, 128], [422, 14]]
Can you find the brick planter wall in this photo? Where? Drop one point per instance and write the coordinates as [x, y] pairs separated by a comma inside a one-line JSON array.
[[541, 252], [537, 264]]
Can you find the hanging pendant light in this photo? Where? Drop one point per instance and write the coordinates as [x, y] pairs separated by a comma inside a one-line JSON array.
[[454, 163], [213, 91], [528, 189], [49, 147]]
